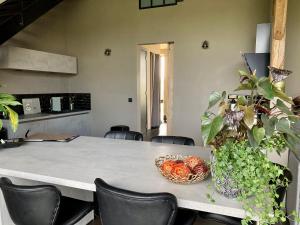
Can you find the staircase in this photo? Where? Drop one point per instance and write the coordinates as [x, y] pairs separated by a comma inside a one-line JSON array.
[[15, 15]]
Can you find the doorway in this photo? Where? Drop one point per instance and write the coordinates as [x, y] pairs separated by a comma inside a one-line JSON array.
[[155, 85]]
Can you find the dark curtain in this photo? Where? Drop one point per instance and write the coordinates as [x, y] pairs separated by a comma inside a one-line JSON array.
[[155, 90]]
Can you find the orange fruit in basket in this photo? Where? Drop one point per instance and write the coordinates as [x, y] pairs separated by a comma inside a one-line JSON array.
[[167, 166], [193, 161], [181, 171], [200, 168]]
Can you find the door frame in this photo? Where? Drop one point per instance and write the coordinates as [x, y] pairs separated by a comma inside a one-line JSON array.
[[139, 110], [170, 65]]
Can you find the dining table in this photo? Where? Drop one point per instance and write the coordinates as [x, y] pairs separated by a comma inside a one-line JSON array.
[[73, 166]]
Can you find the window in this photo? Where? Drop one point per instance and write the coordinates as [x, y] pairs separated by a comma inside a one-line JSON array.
[[146, 4]]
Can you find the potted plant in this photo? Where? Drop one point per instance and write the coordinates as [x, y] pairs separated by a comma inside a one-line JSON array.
[[6, 101], [242, 135]]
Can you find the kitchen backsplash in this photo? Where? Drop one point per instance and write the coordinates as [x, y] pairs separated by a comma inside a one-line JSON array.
[[82, 101]]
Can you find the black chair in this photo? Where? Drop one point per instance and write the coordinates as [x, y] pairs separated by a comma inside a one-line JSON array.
[[120, 128], [41, 205], [124, 135], [174, 140], [281, 191], [122, 207]]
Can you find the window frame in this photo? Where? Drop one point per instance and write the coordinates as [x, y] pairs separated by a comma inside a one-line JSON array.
[[157, 6]]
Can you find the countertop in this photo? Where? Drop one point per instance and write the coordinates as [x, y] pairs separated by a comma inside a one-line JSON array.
[[125, 164], [45, 116]]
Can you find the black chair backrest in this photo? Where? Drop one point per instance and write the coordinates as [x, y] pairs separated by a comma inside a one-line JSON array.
[[121, 207], [28, 205], [174, 140], [125, 135], [120, 128]]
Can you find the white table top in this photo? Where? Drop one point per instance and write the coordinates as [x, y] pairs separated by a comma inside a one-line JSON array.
[[125, 164]]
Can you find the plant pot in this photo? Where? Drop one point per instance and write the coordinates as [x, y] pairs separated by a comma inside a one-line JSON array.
[[224, 185]]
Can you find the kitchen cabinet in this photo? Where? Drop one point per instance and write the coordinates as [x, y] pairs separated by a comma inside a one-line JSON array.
[[27, 59], [70, 123]]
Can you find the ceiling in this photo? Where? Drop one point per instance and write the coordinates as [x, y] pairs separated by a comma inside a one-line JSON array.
[[17, 14]]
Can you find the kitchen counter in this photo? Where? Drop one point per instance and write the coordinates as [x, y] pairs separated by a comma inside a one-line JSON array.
[[75, 123], [45, 116]]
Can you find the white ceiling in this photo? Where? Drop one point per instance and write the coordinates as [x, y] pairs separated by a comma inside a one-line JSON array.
[[2, 1]]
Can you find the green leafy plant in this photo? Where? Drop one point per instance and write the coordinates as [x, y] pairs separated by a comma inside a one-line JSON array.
[[6, 101], [243, 134]]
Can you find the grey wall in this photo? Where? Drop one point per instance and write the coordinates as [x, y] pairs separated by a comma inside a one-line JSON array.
[[293, 48], [229, 25], [45, 34], [86, 27]]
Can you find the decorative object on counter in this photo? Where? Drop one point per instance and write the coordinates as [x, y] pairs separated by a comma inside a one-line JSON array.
[[183, 169], [56, 104], [6, 102], [31, 106], [81, 101], [12, 143], [279, 75], [71, 103], [41, 137], [242, 136]]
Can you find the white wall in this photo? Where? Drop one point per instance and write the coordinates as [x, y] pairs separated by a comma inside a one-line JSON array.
[[93, 25]]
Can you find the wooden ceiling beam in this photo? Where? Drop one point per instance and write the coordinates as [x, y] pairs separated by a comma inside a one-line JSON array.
[[280, 10]]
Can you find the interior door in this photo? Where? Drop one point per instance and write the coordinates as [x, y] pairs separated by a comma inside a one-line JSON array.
[[143, 90]]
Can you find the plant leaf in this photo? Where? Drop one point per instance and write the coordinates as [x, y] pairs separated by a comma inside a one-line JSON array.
[[13, 117], [210, 131], [259, 134], [7, 96], [292, 142], [251, 139], [283, 125], [243, 73], [242, 100], [215, 97], [249, 117], [282, 95], [245, 87], [265, 88], [223, 107], [283, 108], [269, 124], [205, 120]]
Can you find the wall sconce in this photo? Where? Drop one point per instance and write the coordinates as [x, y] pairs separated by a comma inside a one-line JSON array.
[[107, 52], [205, 45]]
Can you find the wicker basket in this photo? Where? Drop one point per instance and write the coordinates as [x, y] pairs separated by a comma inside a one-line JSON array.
[[191, 179]]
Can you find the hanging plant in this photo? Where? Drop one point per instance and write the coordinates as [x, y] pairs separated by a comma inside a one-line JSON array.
[[242, 136]]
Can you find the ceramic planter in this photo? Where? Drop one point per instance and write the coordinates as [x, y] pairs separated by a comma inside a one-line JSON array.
[[224, 185]]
